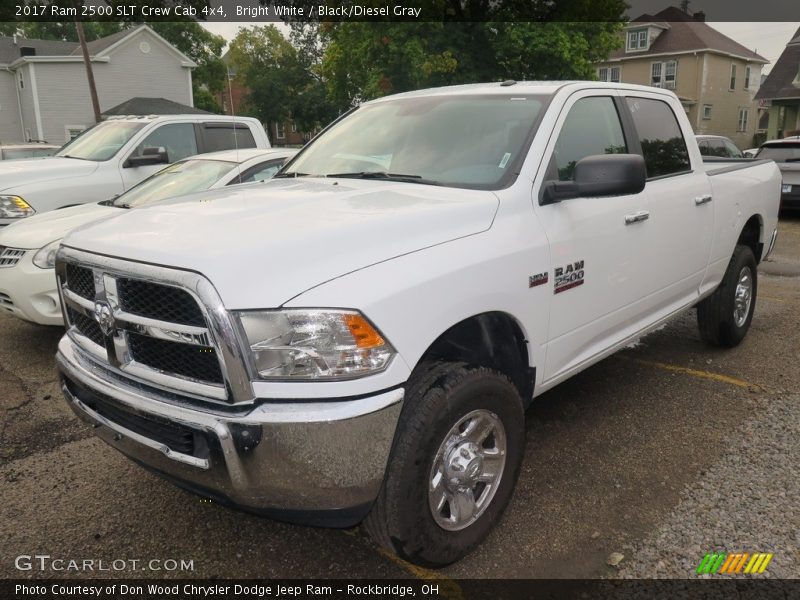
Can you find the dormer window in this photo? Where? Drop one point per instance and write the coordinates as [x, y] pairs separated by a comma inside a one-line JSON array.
[[637, 39]]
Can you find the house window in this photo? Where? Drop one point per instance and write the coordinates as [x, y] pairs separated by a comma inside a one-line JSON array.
[[294, 127], [733, 78], [706, 111], [73, 131], [664, 74], [747, 78], [637, 40], [21, 81], [670, 73], [743, 114], [608, 74], [280, 131], [655, 74]]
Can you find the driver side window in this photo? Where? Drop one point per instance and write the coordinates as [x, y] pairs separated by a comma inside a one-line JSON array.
[[177, 139], [591, 127]]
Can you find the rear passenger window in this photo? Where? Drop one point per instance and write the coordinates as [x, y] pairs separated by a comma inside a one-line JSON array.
[[663, 146], [222, 136], [591, 127]]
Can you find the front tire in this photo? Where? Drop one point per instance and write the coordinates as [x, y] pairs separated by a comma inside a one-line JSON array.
[[454, 464], [724, 317]]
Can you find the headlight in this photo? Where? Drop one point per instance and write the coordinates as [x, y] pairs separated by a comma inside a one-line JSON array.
[[14, 207], [314, 344], [45, 258]]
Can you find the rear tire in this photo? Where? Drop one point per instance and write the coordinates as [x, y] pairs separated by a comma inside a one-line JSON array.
[[454, 464], [724, 317]]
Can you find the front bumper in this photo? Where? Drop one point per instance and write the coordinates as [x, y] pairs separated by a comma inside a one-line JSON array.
[[317, 462], [29, 293]]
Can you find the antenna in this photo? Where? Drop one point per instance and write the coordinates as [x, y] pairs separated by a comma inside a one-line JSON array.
[[235, 134]]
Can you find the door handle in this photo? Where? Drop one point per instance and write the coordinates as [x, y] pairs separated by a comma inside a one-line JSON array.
[[703, 199], [637, 217]]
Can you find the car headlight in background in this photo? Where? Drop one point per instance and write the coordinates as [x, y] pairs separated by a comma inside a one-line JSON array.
[[14, 207], [314, 344], [45, 258]]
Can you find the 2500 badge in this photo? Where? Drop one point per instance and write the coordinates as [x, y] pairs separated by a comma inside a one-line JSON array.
[[568, 277]]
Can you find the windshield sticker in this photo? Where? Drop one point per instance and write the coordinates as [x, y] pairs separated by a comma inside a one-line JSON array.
[[568, 277], [504, 162]]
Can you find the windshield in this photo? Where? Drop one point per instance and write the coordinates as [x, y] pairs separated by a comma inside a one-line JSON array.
[[181, 178], [461, 141], [780, 153], [100, 142]]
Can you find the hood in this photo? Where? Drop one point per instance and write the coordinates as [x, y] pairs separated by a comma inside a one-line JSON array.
[[39, 230], [262, 245], [19, 172]]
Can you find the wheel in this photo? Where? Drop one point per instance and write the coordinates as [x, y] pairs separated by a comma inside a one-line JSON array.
[[453, 466], [724, 317]]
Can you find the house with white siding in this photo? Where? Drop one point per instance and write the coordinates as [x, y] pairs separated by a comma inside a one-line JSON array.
[[44, 93]]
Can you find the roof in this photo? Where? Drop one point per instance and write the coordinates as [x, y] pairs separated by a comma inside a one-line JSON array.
[[9, 52], [153, 106], [686, 35], [544, 88], [97, 46], [778, 83]]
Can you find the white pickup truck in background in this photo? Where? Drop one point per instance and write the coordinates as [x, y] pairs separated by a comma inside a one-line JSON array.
[[360, 336], [115, 155]]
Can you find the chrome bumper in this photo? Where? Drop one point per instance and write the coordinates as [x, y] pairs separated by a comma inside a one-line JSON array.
[[314, 462]]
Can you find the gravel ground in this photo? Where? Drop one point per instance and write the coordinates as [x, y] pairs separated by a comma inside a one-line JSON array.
[[748, 501]]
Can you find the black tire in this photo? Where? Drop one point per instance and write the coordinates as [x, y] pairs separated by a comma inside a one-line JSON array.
[[715, 314], [438, 396]]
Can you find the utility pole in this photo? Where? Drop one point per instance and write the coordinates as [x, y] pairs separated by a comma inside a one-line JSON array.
[[89, 73]]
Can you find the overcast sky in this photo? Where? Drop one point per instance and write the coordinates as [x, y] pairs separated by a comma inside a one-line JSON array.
[[768, 39]]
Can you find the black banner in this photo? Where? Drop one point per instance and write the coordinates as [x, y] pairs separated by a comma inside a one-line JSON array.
[[255, 11], [727, 588]]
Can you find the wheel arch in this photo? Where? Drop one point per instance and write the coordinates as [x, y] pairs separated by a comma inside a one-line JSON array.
[[495, 340], [752, 235]]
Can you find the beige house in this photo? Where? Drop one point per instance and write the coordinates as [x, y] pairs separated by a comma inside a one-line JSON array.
[[715, 77]]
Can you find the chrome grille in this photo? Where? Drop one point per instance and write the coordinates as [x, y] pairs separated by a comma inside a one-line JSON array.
[[160, 302], [188, 360], [163, 327], [87, 326], [10, 256], [81, 281]]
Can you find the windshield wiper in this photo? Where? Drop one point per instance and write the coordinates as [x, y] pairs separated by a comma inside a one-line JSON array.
[[75, 157], [384, 175]]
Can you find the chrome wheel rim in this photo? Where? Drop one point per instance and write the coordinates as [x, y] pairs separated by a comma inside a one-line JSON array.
[[467, 470], [743, 296]]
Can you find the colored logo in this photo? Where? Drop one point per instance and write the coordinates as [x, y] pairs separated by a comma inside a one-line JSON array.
[[734, 564]]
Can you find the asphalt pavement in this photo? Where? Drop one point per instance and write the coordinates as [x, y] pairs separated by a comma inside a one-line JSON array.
[[651, 454]]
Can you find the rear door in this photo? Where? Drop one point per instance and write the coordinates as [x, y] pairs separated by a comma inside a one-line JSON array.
[[681, 221]]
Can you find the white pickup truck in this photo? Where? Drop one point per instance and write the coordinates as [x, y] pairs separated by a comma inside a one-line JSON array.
[[115, 155], [359, 337]]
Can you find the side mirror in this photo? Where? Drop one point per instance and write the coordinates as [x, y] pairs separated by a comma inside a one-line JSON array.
[[150, 156], [600, 175]]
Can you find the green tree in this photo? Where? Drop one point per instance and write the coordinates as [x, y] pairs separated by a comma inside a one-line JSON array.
[[283, 75], [475, 40]]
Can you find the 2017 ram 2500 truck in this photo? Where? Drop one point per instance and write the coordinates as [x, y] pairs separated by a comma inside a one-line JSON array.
[[113, 156], [360, 336]]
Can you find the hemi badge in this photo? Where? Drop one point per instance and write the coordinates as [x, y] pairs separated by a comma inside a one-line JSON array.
[[538, 279]]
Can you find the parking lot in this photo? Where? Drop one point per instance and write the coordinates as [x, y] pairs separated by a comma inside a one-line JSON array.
[[619, 459]]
